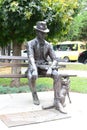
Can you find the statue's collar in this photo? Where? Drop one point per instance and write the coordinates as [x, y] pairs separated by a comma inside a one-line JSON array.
[[40, 42]]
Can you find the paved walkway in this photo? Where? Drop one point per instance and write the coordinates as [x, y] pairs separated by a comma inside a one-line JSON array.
[[74, 72], [22, 102]]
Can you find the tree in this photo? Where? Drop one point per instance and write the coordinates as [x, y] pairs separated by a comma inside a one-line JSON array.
[[59, 16], [78, 30], [17, 18]]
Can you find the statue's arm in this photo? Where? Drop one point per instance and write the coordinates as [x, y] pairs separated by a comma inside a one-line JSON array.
[[53, 57], [54, 60], [30, 53]]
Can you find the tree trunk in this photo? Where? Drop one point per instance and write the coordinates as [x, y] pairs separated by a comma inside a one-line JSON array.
[[16, 70]]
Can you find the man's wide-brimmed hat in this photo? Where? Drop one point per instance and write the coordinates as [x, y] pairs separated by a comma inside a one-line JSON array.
[[41, 26]]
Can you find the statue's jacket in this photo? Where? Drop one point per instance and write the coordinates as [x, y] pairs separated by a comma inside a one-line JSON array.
[[41, 53]]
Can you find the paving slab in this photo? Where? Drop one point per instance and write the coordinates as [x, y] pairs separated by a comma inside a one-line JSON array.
[[22, 102]]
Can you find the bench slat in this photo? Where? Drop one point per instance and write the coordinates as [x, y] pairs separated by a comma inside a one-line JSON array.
[[13, 76], [24, 76], [68, 75], [14, 64], [13, 57], [4, 64]]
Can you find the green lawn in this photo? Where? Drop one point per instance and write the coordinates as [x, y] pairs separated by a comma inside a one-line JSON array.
[[76, 67], [77, 84]]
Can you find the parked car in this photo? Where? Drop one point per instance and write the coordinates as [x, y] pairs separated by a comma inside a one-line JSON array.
[[24, 53], [83, 57], [69, 50]]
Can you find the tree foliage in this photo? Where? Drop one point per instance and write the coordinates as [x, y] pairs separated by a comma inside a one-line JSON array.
[[17, 18], [78, 30]]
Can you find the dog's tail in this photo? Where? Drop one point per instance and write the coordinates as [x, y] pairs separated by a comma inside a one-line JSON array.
[[68, 96]]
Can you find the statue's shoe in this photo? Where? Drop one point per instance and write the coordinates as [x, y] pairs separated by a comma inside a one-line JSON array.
[[36, 102], [35, 99]]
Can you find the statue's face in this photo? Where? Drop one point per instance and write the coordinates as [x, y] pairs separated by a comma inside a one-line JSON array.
[[41, 35]]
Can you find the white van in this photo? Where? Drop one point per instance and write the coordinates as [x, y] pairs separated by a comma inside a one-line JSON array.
[[69, 50]]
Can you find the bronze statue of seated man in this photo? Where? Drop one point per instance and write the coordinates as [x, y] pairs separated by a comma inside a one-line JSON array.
[[39, 53]]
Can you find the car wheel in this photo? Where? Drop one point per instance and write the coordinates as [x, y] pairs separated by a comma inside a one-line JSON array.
[[85, 61], [66, 59]]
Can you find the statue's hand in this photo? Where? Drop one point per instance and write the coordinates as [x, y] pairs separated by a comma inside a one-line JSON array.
[[49, 71], [34, 74]]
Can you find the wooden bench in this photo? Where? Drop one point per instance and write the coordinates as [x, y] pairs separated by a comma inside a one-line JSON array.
[[11, 64]]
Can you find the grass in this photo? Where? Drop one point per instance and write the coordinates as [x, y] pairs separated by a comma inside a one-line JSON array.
[[78, 84], [81, 67], [43, 84]]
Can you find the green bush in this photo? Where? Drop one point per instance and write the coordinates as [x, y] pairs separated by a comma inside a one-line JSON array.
[[7, 89], [78, 84]]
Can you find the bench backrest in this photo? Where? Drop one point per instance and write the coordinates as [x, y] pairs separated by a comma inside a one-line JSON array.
[[10, 63], [19, 64]]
